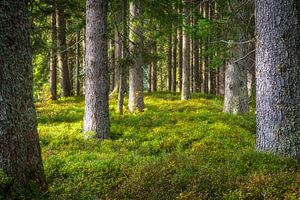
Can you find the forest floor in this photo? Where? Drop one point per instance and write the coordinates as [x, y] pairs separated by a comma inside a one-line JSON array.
[[173, 150]]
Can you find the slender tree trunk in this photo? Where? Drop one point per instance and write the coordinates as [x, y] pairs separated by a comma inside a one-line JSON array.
[[154, 72], [78, 62], [185, 95], [205, 61], [170, 62], [62, 53], [20, 153], [83, 61], [96, 116], [278, 72], [112, 65], [221, 80], [196, 85], [174, 74], [180, 55], [136, 97], [53, 58]]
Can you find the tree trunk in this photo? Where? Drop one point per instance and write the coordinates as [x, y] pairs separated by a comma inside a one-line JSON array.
[[170, 61], [53, 58], [136, 97], [278, 72], [174, 78], [83, 61], [197, 85], [154, 72], [185, 95], [180, 55], [205, 61], [96, 116], [78, 62], [221, 80], [20, 153], [62, 53]]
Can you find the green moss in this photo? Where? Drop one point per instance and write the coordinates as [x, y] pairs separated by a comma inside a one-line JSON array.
[[183, 150]]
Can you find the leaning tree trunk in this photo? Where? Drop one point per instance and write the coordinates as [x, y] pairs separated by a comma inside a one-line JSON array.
[[96, 116], [136, 97], [278, 72], [20, 154], [185, 94], [62, 53], [53, 57]]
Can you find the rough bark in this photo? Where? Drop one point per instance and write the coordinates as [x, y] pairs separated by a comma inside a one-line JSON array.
[[20, 154], [62, 53], [185, 94], [53, 58], [278, 72], [136, 97], [96, 116]]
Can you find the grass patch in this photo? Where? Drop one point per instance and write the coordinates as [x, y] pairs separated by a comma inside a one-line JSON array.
[[173, 150]]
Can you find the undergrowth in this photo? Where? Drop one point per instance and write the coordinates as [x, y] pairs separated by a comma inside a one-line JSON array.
[[173, 150]]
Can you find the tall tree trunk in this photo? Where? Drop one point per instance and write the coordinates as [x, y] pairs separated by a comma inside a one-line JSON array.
[[185, 95], [174, 74], [53, 57], [170, 61], [78, 62], [62, 53], [180, 55], [83, 60], [196, 85], [154, 72], [278, 72], [221, 80], [20, 153], [136, 97], [96, 116]]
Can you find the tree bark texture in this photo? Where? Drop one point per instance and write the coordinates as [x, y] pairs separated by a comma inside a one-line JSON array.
[[20, 153], [96, 116], [136, 97], [278, 72]]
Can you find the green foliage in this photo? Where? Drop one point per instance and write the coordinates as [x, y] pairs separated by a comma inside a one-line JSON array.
[[173, 150]]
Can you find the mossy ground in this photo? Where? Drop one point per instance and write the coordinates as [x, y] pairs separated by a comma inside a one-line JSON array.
[[173, 150]]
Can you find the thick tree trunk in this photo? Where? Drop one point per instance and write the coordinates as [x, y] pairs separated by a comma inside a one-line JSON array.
[[170, 62], [62, 53], [53, 58], [185, 95], [78, 62], [136, 97], [20, 154], [174, 73], [96, 116], [278, 72]]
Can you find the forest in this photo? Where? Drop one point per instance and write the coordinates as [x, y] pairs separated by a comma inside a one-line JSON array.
[[149, 99]]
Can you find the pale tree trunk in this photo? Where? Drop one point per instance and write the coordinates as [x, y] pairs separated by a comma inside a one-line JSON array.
[[112, 65], [174, 73], [83, 61], [96, 116], [185, 95], [278, 72], [20, 153], [53, 57], [180, 55], [170, 61], [78, 62], [62, 52], [136, 97]]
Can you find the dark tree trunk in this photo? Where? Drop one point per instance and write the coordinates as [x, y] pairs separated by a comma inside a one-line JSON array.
[[170, 62], [185, 95], [96, 116], [221, 80], [62, 53], [205, 61], [136, 97], [83, 61], [154, 72], [197, 85], [53, 57], [278, 72], [78, 62], [20, 154]]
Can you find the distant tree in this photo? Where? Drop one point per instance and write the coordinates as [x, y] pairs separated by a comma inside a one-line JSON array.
[[53, 56], [20, 154], [278, 72], [96, 116]]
